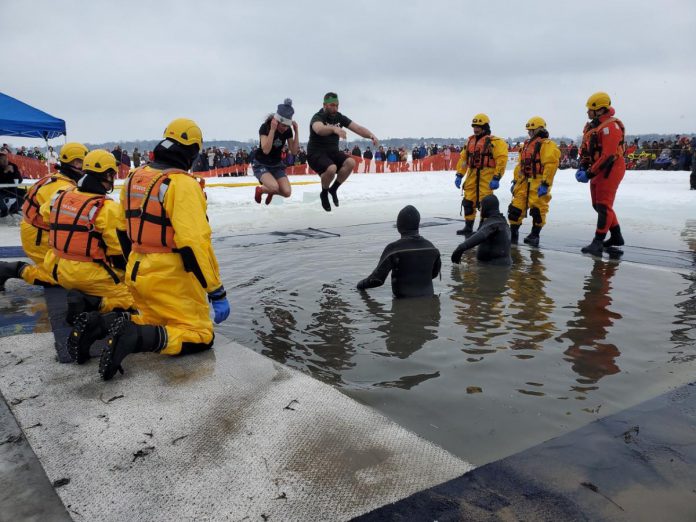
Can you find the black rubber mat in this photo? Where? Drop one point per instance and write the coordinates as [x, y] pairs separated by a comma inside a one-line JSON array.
[[267, 238], [585, 475]]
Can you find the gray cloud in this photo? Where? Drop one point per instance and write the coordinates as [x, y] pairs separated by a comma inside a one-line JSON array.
[[123, 70]]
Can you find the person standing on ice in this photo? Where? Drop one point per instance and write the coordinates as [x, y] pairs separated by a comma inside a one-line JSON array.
[[172, 270], [412, 260], [531, 186], [492, 236], [323, 156], [267, 164], [602, 164], [481, 164]]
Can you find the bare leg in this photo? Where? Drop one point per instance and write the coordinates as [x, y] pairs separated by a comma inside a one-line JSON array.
[[284, 187]]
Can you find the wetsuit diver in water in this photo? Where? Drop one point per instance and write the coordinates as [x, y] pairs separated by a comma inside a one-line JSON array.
[[492, 236], [412, 260]]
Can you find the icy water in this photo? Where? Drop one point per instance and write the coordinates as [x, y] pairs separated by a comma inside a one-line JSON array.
[[499, 360]]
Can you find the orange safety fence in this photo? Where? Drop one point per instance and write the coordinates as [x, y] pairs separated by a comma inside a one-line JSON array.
[[31, 168]]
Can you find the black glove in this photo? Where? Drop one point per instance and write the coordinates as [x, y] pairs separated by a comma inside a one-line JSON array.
[[457, 255]]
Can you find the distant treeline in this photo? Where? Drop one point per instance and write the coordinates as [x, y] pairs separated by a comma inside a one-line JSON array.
[[407, 143]]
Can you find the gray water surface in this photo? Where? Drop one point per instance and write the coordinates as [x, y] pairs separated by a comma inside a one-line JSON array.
[[497, 361]]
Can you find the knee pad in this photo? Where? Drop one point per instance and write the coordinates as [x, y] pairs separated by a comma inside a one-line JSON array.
[[514, 213], [601, 216], [468, 206], [536, 215]]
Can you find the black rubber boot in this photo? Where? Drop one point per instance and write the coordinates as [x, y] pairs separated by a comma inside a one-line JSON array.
[[89, 327], [468, 229], [79, 303], [615, 239], [126, 337], [334, 192], [595, 248], [10, 271], [514, 234], [533, 238], [324, 196]]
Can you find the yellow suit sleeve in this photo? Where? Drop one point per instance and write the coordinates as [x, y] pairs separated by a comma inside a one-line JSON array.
[[110, 219], [500, 155], [186, 207], [461, 164], [518, 168], [550, 156]]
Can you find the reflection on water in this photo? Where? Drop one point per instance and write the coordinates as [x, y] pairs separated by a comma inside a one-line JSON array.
[[331, 335], [591, 358], [531, 307], [478, 292], [686, 317], [408, 325], [23, 311]]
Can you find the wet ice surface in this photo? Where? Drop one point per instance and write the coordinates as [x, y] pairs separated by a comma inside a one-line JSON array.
[[500, 360]]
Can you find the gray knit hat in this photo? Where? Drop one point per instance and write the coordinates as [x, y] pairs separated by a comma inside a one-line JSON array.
[[285, 112]]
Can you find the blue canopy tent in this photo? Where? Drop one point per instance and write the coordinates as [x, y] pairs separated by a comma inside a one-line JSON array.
[[19, 119]]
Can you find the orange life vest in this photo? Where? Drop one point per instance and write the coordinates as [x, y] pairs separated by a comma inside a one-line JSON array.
[[592, 144], [530, 157], [30, 207], [73, 235], [149, 228], [479, 154]]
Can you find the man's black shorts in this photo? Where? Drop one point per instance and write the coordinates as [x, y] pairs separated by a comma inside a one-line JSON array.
[[320, 161]]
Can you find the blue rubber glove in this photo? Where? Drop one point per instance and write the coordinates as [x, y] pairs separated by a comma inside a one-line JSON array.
[[512, 187], [221, 306], [495, 183], [543, 189], [581, 176], [458, 181]]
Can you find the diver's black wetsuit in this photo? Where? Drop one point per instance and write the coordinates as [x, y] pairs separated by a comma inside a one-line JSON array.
[[413, 260], [492, 237]]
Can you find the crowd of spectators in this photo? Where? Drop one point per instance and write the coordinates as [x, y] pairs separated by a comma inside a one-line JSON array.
[[665, 154], [677, 154]]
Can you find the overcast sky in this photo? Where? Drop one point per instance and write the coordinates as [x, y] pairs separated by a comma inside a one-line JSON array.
[[122, 70]]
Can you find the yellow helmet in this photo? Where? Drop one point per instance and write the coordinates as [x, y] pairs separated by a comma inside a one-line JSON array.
[[184, 131], [99, 161], [535, 122], [72, 151], [480, 119], [598, 100]]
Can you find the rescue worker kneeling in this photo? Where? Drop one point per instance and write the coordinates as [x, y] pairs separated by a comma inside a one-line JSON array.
[[172, 270], [531, 186], [492, 236], [33, 230], [87, 255]]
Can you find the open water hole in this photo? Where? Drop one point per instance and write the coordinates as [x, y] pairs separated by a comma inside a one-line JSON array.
[[497, 361]]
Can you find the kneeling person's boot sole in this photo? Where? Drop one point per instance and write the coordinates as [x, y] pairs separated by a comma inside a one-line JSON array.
[[126, 337], [88, 327]]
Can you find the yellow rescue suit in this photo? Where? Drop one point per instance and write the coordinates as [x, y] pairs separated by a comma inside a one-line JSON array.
[[172, 267], [481, 159], [538, 162], [87, 268], [33, 230]]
